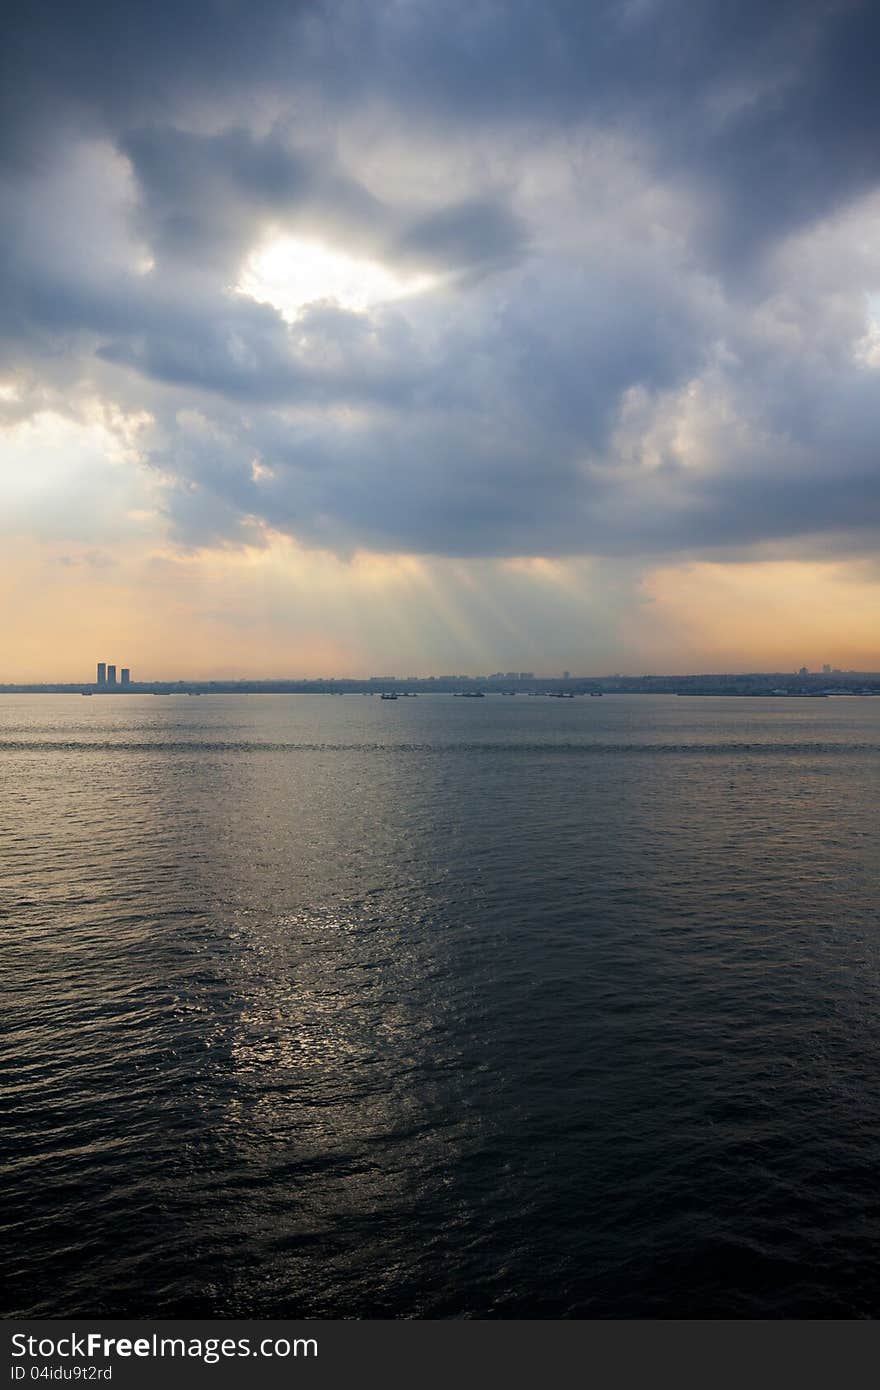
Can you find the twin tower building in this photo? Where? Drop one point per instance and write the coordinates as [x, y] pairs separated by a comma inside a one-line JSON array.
[[107, 675]]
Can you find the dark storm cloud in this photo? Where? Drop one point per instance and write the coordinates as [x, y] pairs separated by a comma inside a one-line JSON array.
[[205, 197], [777, 103], [477, 232], [105, 65], [632, 343]]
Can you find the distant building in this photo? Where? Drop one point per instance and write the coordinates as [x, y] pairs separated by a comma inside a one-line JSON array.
[[111, 675], [102, 673], [126, 675], [826, 669], [803, 671], [566, 675]]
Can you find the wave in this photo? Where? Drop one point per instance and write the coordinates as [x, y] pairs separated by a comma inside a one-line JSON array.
[[768, 749]]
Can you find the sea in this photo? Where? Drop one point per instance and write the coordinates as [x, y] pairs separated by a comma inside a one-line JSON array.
[[326, 1006]]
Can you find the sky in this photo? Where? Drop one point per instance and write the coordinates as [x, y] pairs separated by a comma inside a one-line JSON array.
[[391, 336]]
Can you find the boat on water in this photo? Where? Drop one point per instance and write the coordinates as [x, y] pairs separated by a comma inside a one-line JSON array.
[[469, 695], [388, 697], [87, 692]]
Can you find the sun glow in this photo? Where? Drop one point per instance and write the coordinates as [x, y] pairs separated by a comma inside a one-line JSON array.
[[292, 272]]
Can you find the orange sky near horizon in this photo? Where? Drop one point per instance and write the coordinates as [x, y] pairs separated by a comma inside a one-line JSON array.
[[282, 611]]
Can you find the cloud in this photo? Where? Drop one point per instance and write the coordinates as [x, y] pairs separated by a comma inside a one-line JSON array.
[[648, 237], [474, 233]]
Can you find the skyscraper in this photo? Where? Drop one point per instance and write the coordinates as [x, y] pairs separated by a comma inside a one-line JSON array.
[[102, 673], [126, 675], [111, 675]]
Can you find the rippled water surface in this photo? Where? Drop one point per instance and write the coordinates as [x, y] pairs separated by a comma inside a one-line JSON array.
[[513, 1007]]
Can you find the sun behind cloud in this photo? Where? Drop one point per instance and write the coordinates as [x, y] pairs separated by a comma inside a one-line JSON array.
[[290, 272]]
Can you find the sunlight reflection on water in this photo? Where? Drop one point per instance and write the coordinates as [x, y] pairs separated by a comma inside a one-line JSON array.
[[442, 1008]]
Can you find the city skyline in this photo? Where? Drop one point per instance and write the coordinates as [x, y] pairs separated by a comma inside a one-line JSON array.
[[829, 680], [106, 674]]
